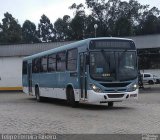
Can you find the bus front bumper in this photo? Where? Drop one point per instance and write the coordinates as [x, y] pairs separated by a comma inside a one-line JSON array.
[[94, 97]]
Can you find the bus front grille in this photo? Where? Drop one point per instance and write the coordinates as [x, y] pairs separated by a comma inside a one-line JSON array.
[[115, 84], [115, 90], [115, 95]]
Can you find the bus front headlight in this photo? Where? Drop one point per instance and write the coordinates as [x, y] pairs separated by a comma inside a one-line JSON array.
[[95, 88], [132, 87]]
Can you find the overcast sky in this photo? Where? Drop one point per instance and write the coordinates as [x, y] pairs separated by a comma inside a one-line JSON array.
[[34, 9]]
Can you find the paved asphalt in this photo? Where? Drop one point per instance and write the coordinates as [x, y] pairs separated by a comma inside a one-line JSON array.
[[20, 113]]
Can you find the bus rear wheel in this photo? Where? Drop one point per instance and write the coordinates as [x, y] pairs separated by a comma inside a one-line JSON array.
[[70, 98]]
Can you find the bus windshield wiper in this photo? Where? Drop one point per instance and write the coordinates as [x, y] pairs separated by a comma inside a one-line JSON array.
[[120, 57], [107, 59]]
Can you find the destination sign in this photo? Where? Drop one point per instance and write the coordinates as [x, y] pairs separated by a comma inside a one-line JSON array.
[[112, 44]]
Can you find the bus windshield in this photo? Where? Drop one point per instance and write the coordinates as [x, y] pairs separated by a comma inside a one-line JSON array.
[[113, 66]]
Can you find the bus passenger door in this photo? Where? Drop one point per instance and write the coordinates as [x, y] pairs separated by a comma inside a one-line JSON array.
[[29, 78], [83, 76]]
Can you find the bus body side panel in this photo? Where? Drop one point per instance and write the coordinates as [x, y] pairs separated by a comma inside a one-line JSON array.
[[72, 80], [25, 78], [25, 84], [35, 81], [54, 84], [47, 83]]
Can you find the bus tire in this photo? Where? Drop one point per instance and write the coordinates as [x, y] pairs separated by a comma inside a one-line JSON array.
[[110, 104], [38, 97], [71, 98]]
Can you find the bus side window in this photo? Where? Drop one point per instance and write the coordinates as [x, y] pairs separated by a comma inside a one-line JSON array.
[[44, 64], [72, 60], [36, 65], [61, 61], [52, 63]]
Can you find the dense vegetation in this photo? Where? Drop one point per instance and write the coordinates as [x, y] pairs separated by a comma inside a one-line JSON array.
[[113, 17]]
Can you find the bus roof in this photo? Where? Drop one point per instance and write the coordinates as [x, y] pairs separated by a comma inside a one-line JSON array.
[[71, 46]]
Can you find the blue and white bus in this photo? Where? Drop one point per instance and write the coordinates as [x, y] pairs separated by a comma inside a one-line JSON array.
[[95, 71]]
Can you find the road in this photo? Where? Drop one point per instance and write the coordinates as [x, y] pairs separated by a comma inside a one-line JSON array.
[[20, 113]]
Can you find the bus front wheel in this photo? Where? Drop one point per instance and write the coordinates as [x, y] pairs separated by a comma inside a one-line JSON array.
[[70, 98]]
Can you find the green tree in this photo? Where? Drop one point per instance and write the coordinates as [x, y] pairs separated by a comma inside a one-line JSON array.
[[100, 12], [149, 22], [121, 23], [120, 18], [62, 28], [123, 27], [10, 30], [45, 30], [1, 32], [77, 27], [159, 24], [29, 32], [150, 25], [89, 27], [77, 24]]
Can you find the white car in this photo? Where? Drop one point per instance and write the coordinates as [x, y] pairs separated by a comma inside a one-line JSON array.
[[157, 79], [148, 78]]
